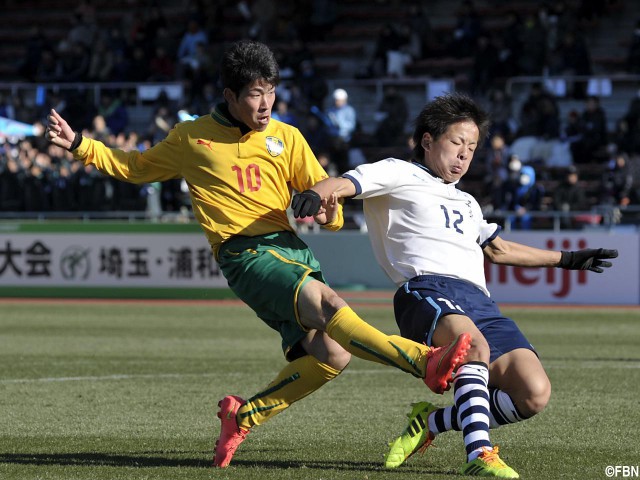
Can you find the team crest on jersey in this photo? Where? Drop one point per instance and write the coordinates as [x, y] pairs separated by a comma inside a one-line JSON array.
[[275, 146]]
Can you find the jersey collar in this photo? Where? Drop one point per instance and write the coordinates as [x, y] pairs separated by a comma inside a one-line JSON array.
[[221, 115]]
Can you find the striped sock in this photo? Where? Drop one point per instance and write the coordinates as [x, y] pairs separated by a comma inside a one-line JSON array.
[[471, 398], [502, 411]]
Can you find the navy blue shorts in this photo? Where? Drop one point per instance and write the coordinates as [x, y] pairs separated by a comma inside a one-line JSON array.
[[420, 302]]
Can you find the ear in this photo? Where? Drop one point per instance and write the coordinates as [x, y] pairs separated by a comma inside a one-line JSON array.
[[426, 140], [229, 95]]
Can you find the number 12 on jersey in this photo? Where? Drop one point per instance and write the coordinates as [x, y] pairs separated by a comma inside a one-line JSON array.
[[457, 219]]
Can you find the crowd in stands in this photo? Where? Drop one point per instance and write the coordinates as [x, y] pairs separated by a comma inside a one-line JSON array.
[[513, 167]]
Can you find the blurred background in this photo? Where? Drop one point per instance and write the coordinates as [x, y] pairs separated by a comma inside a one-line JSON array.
[[561, 80]]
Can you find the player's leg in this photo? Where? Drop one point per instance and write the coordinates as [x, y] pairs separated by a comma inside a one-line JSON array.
[[321, 360], [427, 309], [267, 273], [470, 412], [518, 386], [322, 308], [518, 389]]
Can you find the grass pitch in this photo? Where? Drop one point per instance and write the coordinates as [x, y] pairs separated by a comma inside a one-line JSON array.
[[129, 391]]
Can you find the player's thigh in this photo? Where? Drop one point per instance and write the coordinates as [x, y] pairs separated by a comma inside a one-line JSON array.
[[269, 277], [521, 374], [453, 325]]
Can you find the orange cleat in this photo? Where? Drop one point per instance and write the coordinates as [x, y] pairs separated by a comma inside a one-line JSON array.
[[231, 436], [442, 361]]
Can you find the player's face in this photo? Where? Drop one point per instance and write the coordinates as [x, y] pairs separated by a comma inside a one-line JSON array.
[[253, 105], [449, 157]]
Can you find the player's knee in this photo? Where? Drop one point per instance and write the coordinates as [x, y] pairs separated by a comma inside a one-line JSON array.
[[537, 397], [330, 303], [317, 304], [339, 359]]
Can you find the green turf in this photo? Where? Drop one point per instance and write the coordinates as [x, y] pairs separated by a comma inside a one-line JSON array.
[[107, 391]]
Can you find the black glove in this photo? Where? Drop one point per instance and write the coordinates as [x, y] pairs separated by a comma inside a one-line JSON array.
[[306, 204], [587, 259]]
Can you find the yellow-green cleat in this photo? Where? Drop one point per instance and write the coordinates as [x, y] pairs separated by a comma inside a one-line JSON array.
[[489, 464], [416, 436]]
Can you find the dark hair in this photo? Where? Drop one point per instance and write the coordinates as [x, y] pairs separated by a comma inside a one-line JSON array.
[[442, 112], [247, 61]]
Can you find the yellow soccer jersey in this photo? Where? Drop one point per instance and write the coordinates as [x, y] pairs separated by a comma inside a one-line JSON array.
[[239, 184]]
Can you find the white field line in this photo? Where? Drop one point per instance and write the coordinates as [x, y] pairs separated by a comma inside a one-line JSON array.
[[594, 364]]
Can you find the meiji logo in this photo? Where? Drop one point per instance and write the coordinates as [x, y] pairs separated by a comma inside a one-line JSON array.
[[559, 278]]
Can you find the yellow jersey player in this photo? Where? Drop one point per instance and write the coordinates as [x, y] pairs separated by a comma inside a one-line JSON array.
[[241, 167]]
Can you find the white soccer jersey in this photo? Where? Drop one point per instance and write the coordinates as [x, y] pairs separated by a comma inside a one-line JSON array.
[[419, 225]]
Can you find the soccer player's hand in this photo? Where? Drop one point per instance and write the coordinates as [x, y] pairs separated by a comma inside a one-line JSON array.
[[58, 131], [306, 204], [587, 259], [328, 210]]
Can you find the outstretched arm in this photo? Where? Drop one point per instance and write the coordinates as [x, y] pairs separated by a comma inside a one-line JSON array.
[[504, 252], [309, 202]]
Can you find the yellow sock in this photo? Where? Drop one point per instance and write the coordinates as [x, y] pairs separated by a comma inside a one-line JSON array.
[[364, 341], [298, 379]]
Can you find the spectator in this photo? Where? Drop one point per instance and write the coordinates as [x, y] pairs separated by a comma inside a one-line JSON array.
[[496, 171], [161, 66], [316, 133], [592, 129], [163, 122], [533, 40], [325, 160], [114, 112], [399, 56], [539, 116], [569, 196], [82, 30], [509, 45], [192, 37], [35, 45], [100, 130], [100, 62], [629, 135], [37, 185], [140, 72], [264, 14], [389, 40], [283, 114], [574, 59], [343, 118], [528, 198], [633, 54], [391, 117], [11, 185], [62, 189], [617, 181], [485, 65], [501, 111], [311, 83], [321, 20], [467, 30]]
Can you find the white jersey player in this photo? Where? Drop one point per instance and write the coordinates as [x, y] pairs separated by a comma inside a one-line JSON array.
[[431, 239]]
